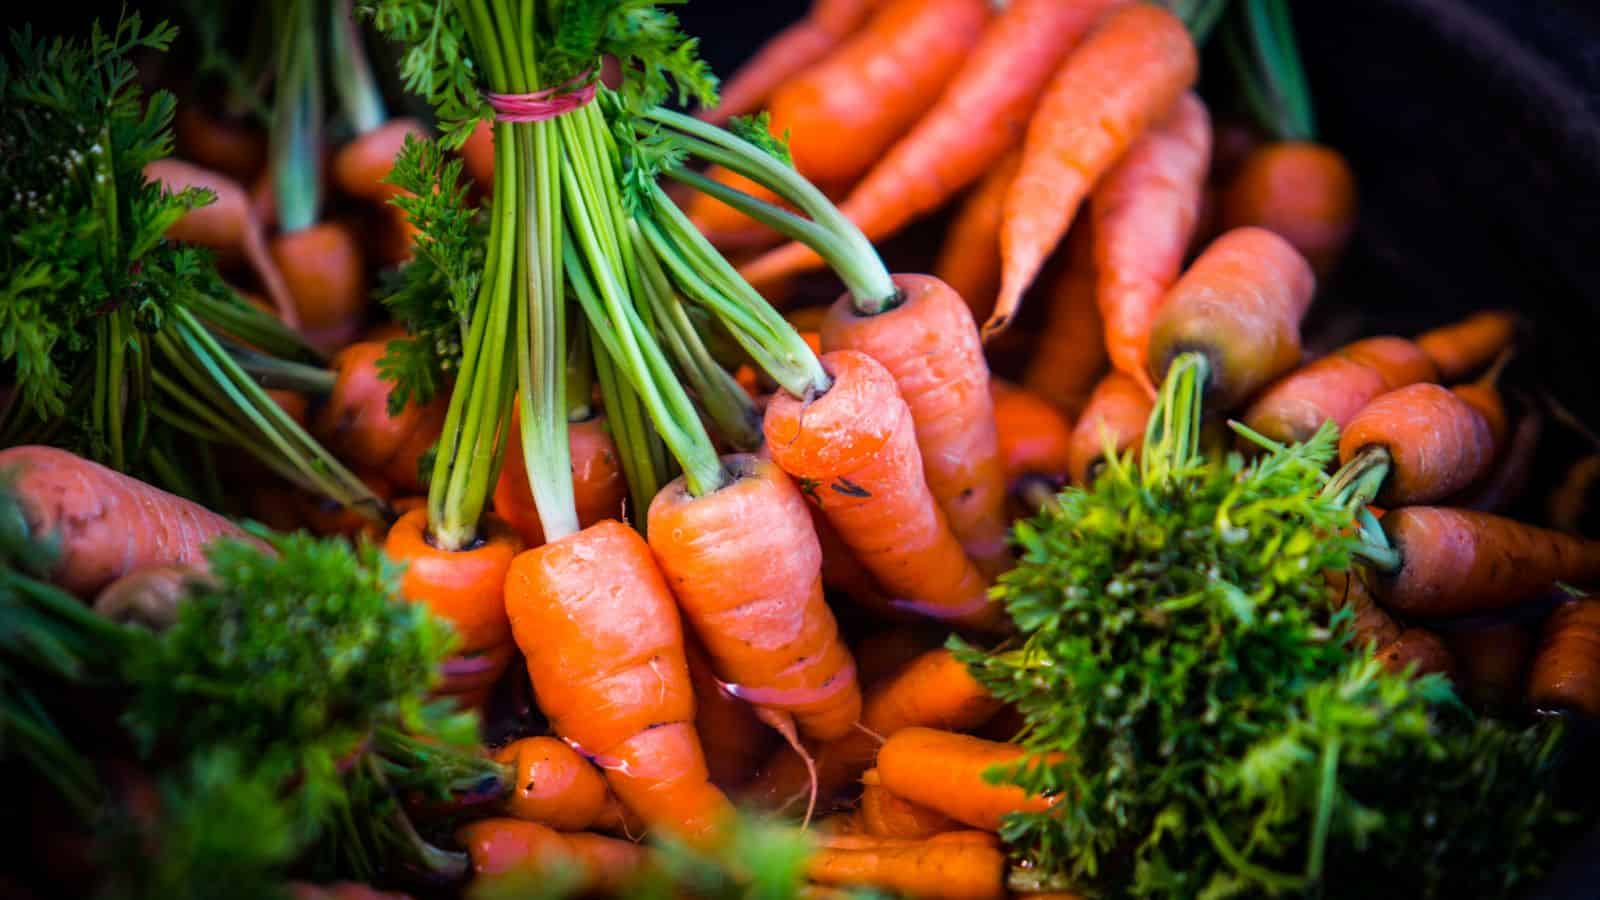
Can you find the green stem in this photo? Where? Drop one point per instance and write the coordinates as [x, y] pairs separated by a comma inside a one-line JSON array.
[[1327, 795], [643, 456], [353, 81], [1374, 546], [297, 118], [580, 376], [1358, 482], [1172, 434], [1265, 877], [1266, 60], [276, 374], [253, 327]]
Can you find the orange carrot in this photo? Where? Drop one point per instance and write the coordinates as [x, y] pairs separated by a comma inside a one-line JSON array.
[[327, 279], [844, 573], [1456, 562], [1566, 671], [477, 157], [598, 486], [1369, 624], [1571, 502], [105, 523], [512, 847], [734, 739], [1145, 212], [969, 258], [1336, 387], [854, 451], [937, 871], [1124, 77], [930, 344], [746, 570], [553, 784], [1513, 468], [885, 814], [228, 225], [786, 54], [598, 628], [944, 770], [1493, 661], [1240, 304], [1419, 652], [1462, 348], [1483, 395], [1071, 353], [883, 79], [981, 114], [1302, 191], [234, 147], [1035, 438], [1116, 414], [355, 421], [327, 518], [861, 841], [361, 167], [147, 596], [1435, 443]]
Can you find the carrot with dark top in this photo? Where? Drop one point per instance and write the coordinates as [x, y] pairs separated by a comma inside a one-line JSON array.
[[1512, 470], [1070, 356], [1566, 671], [1115, 417], [1418, 444], [944, 771]]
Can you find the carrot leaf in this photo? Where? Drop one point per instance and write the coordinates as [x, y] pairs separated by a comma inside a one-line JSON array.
[[757, 129]]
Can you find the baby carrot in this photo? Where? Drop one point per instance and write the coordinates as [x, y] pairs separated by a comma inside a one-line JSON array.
[[885, 814], [553, 784], [1566, 671], [1434, 444], [944, 771]]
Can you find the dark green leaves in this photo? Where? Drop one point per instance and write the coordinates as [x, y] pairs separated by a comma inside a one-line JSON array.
[[436, 63]]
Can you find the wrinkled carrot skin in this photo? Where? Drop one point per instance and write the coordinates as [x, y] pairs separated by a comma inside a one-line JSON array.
[[604, 648], [1437, 443], [1369, 624], [746, 569], [943, 770], [874, 86], [360, 168], [937, 871], [598, 486], [853, 450], [733, 738], [1458, 562], [1144, 213], [930, 344], [237, 149], [1566, 670], [1336, 387], [885, 814], [1493, 662], [1070, 355], [106, 523], [1420, 652], [326, 275], [1461, 348], [1122, 79], [1240, 304], [1035, 438], [501, 847], [1118, 408], [1303, 191], [553, 784], [463, 587], [969, 257]]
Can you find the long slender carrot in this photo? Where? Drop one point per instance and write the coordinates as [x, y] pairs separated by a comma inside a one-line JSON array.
[[886, 814], [106, 524], [1145, 211], [323, 266], [1461, 348], [1336, 387], [511, 847], [1566, 671], [1121, 80], [786, 54], [1419, 652], [1116, 416], [844, 573], [600, 633], [598, 486], [944, 771], [969, 257], [1240, 305], [854, 451], [1436, 444], [746, 569], [734, 738], [1035, 438], [937, 871], [981, 114], [930, 344], [1455, 562], [1493, 661], [553, 784], [1300, 190], [1070, 355], [874, 86]]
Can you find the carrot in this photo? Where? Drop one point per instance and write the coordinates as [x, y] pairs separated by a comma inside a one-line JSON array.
[[861, 841], [323, 268], [1124, 77], [1434, 444], [884, 814], [844, 573], [228, 225], [361, 167], [598, 487], [1300, 190], [477, 157], [148, 596], [786, 54], [327, 518], [1369, 624], [553, 784], [969, 257], [1071, 352], [943, 770], [598, 628], [746, 570], [1117, 412], [1418, 651], [1483, 395], [1456, 562], [874, 86], [937, 871], [1513, 468], [355, 421], [1240, 305], [981, 114], [1336, 387], [1145, 211], [1462, 348], [854, 451], [1035, 438], [734, 739], [1569, 505], [1493, 662], [105, 523], [930, 344], [1566, 671], [234, 147], [500, 847]]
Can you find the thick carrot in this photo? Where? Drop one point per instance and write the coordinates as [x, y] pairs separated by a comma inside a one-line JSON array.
[[734, 738], [1493, 662], [786, 54], [854, 451], [937, 871], [969, 257], [1145, 211], [873, 87], [1462, 348], [886, 814], [930, 344], [235, 147], [361, 167], [745, 567], [1240, 304], [106, 524], [1419, 652], [1456, 562], [981, 114], [1566, 671], [512, 847], [1117, 412], [1336, 387], [1369, 624], [1300, 190], [327, 278], [355, 421], [1124, 77], [943, 770], [598, 486], [1436, 443], [1035, 438], [553, 784], [1070, 355], [604, 648]]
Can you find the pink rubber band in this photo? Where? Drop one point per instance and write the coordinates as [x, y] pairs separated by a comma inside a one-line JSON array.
[[542, 105]]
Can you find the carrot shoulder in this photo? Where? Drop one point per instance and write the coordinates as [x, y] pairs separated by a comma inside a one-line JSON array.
[[1435, 442]]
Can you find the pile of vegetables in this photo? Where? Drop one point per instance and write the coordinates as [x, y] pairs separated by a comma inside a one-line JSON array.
[[541, 528]]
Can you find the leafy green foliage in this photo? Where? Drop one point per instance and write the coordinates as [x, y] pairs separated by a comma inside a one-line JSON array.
[[436, 63], [757, 129]]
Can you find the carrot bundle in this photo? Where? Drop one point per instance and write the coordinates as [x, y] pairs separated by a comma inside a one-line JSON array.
[[1566, 671], [944, 770]]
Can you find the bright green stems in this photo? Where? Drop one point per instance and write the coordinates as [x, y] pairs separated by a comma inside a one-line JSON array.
[[1261, 49], [1172, 434], [353, 82], [297, 114]]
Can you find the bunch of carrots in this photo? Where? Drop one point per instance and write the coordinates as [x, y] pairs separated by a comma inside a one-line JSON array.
[[702, 553]]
